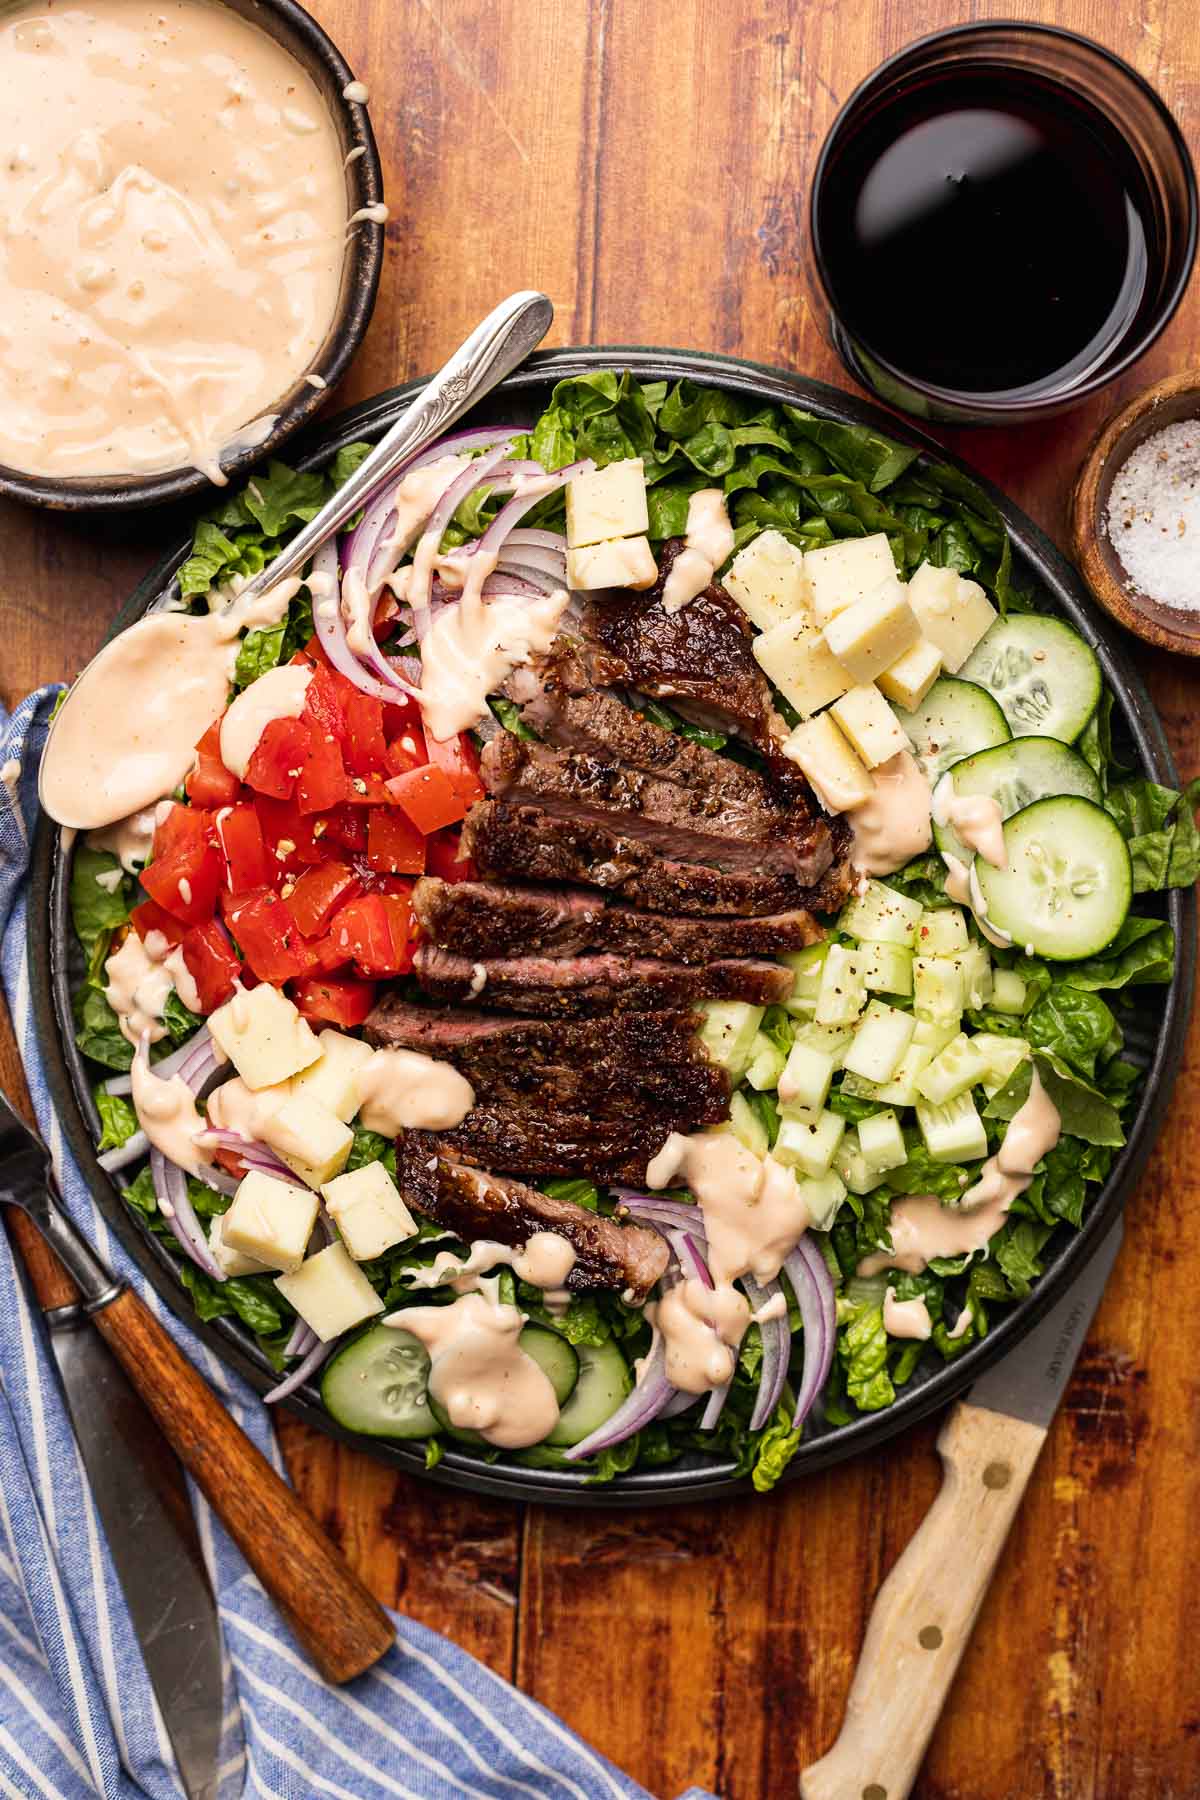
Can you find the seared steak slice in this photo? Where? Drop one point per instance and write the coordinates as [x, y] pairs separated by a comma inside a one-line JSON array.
[[473, 1204], [680, 1096], [550, 986], [479, 1041], [531, 1141], [529, 844], [479, 918], [699, 657]]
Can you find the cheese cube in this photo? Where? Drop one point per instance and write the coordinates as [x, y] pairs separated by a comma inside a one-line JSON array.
[[330, 1292], [263, 1036], [911, 676], [798, 660], [310, 1140], [842, 573], [866, 719], [953, 613], [869, 636], [809, 1144], [768, 580], [367, 1209], [235, 1262], [330, 1082], [607, 503], [270, 1220], [834, 772], [619, 563]]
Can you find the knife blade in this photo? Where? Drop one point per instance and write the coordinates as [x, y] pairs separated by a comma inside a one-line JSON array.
[[925, 1610]]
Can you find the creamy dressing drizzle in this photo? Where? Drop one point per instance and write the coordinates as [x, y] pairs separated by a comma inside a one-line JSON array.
[[701, 1329], [250, 1112], [544, 1260], [166, 1112], [906, 1318], [277, 694], [472, 648], [405, 1090], [754, 1214], [478, 1371], [171, 234], [894, 824], [137, 980], [708, 543], [976, 818]]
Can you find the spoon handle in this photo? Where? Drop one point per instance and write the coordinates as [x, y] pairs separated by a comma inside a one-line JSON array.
[[494, 349]]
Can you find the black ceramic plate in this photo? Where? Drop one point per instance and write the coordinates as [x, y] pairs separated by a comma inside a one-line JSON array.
[[1155, 1036]]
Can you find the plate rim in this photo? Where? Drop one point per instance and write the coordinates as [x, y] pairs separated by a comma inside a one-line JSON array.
[[715, 1479]]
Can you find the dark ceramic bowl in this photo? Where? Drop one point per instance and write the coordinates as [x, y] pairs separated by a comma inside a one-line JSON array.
[[1154, 1026], [300, 34]]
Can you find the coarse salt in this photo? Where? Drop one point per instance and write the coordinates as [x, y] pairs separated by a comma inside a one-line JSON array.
[[1154, 516]]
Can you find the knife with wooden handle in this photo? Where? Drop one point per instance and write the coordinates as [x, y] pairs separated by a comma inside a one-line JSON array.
[[925, 1610]]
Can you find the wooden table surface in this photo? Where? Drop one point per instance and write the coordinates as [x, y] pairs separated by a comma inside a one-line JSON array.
[[646, 163]]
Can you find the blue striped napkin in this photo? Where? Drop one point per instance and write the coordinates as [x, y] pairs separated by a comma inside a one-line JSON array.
[[77, 1713]]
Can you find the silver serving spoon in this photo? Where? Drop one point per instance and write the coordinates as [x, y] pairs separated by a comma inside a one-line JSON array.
[[494, 349]]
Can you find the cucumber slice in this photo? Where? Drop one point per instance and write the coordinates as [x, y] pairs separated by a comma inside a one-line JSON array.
[[604, 1382], [377, 1385], [1041, 672], [1066, 890], [955, 719], [554, 1357], [1014, 776]]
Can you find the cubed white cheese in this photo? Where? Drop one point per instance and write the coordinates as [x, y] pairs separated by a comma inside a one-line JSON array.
[[866, 719], [310, 1140], [263, 1036], [270, 1220], [330, 1292], [607, 503], [844, 572], [366, 1207], [911, 676], [330, 1082], [797, 659], [953, 613], [833, 770], [869, 636], [619, 562], [232, 1262], [768, 580]]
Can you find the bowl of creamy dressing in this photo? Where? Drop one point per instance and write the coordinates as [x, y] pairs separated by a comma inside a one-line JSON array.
[[191, 235]]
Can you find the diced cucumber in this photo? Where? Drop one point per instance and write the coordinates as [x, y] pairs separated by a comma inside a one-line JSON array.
[[1014, 776], [806, 1076], [882, 1142], [557, 1360], [901, 1090], [806, 966], [1068, 883], [809, 1146], [378, 1385], [939, 991], [887, 968], [880, 915], [976, 967], [604, 1382], [822, 1196], [1043, 675], [765, 1065], [728, 1033], [955, 719], [852, 1168], [1003, 1056], [843, 991], [747, 1127], [880, 1042], [953, 1070], [933, 1036], [1009, 992], [954, 1132], [942, 932]]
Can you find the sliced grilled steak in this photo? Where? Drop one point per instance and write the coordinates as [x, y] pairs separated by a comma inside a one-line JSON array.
[[479, 918], [475, 1041], [473, 1204], [699, 657], [531, 1141], [527, 844], [554, 986]]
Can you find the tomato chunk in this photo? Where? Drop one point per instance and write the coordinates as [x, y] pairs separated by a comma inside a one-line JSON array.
[[292, 838], [445, 856], [149, 916], [211, 963], [278, 758], [374, 931], [333, 999], [210, 782], [269, 937], [394, 844], [346, 826], [318, 893], [405, 752], [241, 838], [185, 871], [429, 797], [322, 779], [324, 702], [460, 760], [365, 747]]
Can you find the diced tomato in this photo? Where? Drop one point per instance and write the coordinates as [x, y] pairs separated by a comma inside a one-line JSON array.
[[403, 924], [278, 758], [318, 893], [366, 747], [210, 782], [292, 838], [240, 836], [346, 826], [211, 963], [300, 659], [324, 703], [375, 931], [429, 797], [367, 790], [149, 916], [460, 760], [322, 781], [394, 844], [269, 937], [387, 611], [405, 752], [315, 652], [400, 717], [444, 857], [186, 868], [336, 999]]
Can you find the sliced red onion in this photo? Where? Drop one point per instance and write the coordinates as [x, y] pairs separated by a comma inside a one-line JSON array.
[[221, 1181], [254, 1154], [170, 1189], [362, 541], [316, 1355], [647, 1400], [331, 632], [478, 473], [119, 1084], [691, 1258], [551, 543], [715, 1407], [130, 1151], [812, 1285], [679, 1402], [675, 1214], [301, 1341], [776, 1350], [512, 514], [520, 578]]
